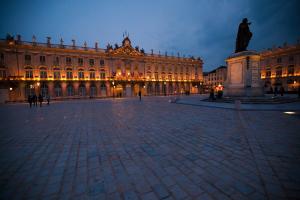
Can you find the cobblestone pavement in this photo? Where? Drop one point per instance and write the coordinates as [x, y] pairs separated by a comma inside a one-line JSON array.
[[126, 149]]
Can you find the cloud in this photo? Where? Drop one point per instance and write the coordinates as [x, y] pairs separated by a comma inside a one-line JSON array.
[[192, 27]]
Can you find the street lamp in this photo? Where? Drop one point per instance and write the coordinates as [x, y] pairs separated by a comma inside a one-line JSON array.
[[38, 87], [113, 83]]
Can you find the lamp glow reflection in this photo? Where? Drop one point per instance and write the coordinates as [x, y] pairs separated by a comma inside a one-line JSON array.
[[289, 113]]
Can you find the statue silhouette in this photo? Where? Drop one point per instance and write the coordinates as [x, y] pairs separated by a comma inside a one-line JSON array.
[[243, 37]]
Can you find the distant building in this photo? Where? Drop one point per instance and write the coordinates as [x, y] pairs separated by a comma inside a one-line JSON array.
[[70, 71], [215, 77], [280, 66]]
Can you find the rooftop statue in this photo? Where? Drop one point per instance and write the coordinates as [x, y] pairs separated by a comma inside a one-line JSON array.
[[243, 37]]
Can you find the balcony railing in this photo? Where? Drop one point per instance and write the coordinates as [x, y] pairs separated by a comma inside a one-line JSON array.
[[46, 45]]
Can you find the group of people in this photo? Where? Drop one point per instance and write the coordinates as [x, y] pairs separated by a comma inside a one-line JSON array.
[[275, 92], [34, 99]]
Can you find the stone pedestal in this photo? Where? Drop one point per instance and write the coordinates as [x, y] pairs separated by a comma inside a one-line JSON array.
[[243, 75]]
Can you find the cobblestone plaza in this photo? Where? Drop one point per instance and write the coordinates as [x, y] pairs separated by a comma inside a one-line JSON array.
[[153, 149]]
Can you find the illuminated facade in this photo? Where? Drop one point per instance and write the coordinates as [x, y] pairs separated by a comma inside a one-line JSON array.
[[215, 77], [70, 71], [281, 67]]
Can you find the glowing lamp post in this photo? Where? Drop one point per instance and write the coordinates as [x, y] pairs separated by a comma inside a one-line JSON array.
[[113, 83]]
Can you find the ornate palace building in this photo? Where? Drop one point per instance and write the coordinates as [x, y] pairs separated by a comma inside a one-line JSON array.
[[70, 71], [280, 66]]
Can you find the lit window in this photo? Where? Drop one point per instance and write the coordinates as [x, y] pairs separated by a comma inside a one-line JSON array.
[[68, 61], [278, 71], [92, 74], [291, 70], [268, 73], [101, 62], [27, 59], [80, 61], [69, 73], [80, 74], [43, 73], [56, 74], [91, 61], [57, 90], [102, 74], [42, 60], [70, 90], [2, 74], [56, 61], [28, 73], [279, 60]]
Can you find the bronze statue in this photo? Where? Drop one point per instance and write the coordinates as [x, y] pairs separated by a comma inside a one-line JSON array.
[[243, 37]]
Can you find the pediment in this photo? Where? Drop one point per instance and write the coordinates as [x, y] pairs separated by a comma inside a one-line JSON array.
[[126, 50]]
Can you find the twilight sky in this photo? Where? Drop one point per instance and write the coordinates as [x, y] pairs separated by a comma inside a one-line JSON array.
[[192, 27]]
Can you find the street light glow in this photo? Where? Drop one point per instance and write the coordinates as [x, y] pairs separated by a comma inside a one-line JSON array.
[[289, 113]]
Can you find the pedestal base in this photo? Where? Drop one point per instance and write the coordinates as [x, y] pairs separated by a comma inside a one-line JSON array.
[[244, 92], [243, 75]]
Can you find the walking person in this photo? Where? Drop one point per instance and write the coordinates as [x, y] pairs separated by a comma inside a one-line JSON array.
[[275, 91], [281, 91], [34, 100], [140, 95], [212, 94], [40, 100], [48, 99], [30, 100]]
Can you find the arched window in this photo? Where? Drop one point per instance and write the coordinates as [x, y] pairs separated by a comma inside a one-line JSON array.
[[278, 71], [2, 73], [70, 90], [92, 74], [57, 90], [291, 70], [43, 72], [69, 73], [81, 90], [56, 73], [102, 74], [29, 90], [44, 89], [93, 90], [157, 88], [28, 72], [156, 76], [80, 74], [103, 89]]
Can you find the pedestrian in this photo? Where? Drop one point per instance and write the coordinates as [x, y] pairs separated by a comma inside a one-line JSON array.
[[275, 91], [34, 100], [30, 100], [48, 99], [271, 90], [281, 91], [140, 95], [212, 94], [40, 100]]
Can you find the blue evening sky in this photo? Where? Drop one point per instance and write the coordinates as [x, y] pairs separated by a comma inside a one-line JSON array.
[[205, 28]]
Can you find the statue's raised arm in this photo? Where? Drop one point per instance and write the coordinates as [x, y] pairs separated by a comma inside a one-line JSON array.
[[243, 37]]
